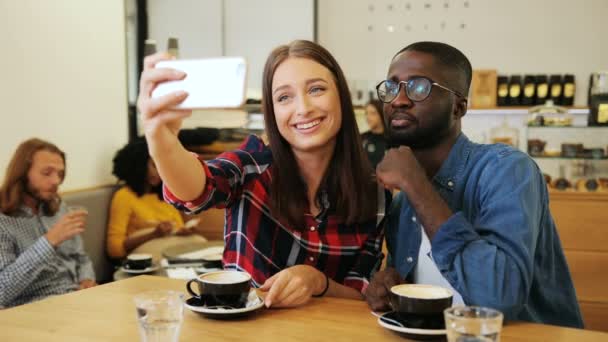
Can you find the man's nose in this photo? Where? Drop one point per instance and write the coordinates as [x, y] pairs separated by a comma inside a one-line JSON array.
[[402, 100], [56, 179]]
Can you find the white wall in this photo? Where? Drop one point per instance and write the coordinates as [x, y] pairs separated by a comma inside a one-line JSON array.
[[254, 28], [64, 80], [197, 24], [246, 28], [515, 36]]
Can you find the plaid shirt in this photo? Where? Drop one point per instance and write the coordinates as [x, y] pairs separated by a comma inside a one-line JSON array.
[[256, 242], [30, 268]]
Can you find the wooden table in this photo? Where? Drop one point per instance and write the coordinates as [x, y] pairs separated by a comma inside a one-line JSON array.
[[106, 313]]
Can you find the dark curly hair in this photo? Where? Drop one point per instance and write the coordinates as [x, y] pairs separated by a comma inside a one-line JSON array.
[[131, 166]]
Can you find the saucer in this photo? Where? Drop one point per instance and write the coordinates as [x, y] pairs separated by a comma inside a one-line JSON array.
[[144, 271], [254, 303], [389, 320]]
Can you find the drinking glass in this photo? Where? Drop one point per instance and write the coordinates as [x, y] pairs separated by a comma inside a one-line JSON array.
[[472, 324], [159, 315]]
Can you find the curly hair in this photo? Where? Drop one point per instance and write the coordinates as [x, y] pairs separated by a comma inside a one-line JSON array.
[[131, 166]]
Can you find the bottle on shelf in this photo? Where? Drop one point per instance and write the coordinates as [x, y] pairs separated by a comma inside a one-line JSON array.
[[542, 89], [569, 90], [555, 87], [149, 47], [561, 183], [502, 91], [598, 99], [505, 134], [173, 47], [529, 95], [515, 90]]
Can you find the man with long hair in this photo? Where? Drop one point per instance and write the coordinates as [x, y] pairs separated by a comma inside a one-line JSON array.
[[41, 252]]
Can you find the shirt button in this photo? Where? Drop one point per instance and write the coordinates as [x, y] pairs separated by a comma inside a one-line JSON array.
[[311, 259], [413, 218], [312, 229], [450, 184], [409, 259]]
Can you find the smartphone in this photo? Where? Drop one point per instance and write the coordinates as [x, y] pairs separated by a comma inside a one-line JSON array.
[[210, 83]]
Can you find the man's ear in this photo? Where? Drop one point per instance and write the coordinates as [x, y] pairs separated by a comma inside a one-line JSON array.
[[460, 108]]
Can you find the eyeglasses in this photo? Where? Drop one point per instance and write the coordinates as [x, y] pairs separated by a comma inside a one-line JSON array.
[[416, 88]]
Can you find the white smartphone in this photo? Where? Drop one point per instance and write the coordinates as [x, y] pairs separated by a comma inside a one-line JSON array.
[[210, 83]]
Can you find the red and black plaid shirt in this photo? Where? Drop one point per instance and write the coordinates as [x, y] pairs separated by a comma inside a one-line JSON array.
[[256, 242]]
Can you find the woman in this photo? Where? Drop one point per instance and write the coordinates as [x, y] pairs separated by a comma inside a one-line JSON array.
[[374, 142], [304, 214], [137, 212]]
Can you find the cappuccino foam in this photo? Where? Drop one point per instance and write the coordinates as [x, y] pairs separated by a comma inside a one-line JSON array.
[[421, 291], [139, 256], [227, 277]]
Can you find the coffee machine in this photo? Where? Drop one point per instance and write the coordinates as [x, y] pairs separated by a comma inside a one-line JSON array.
[[598, 99]]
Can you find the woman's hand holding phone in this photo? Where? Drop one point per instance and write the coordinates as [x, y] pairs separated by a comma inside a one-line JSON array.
[[161, 123]]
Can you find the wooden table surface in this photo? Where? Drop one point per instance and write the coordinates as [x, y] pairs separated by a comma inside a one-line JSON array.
[[107, 313]]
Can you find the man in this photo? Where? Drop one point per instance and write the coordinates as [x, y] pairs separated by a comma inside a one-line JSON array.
[[41, 251], [473, 218]]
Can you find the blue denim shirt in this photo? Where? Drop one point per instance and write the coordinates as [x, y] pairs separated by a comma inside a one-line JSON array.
[[500, 248]]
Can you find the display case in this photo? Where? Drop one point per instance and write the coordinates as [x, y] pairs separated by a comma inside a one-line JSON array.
[[573, 158]]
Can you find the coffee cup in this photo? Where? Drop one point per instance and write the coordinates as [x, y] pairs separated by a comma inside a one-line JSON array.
[[420, 303], [222, 288], [138, 261]]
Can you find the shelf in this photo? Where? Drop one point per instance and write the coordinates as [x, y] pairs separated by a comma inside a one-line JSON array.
[[568, 127], [567, 158], [600, 195], [520, 111]]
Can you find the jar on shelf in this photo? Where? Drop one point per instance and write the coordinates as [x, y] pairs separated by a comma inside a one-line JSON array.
[[549, 115], [505, 134]]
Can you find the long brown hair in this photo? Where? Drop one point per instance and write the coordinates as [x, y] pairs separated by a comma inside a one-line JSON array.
[[348, 180], [12, 191]]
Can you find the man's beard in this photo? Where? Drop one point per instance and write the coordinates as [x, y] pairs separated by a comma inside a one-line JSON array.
[[36, 194], [420, 138]]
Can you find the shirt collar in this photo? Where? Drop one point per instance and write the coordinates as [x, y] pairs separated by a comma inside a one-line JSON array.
[[452, 168], [27, 211]]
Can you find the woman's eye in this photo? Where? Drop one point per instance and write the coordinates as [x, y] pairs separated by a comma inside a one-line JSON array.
[[314, 90], [282, 98]]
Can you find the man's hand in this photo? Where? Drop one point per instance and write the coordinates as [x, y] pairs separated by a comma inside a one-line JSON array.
[[163, 229], [185, 231], [293, 286], [68, 226], [86, 283], [399, 168], [379, 288]]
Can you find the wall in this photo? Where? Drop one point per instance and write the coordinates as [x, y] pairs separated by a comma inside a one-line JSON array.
[[64, 80], [516, 36], [246, 28]]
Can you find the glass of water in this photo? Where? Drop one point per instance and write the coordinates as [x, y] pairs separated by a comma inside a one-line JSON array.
[[472, 324], [159, 315]]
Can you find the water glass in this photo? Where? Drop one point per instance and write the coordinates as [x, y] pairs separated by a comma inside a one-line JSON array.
[[159, 315], [473, 324], [75, 208]]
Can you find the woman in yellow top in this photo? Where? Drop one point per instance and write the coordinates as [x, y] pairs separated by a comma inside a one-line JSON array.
[[138, 213]]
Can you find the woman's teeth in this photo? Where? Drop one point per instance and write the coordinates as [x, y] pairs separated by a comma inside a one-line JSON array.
[[308, 124]]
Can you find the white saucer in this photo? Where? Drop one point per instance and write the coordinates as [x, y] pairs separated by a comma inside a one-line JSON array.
[[386, 321], [145, 270], [254, 302]]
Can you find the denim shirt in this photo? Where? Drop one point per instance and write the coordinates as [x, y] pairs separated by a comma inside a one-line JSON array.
[[500, 248]]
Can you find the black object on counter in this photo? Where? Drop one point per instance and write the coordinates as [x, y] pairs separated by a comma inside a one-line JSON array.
[[529, 95], [515, 91], [569, 90], [198, 136], [555, 86], [502, 91], [542, 89]]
